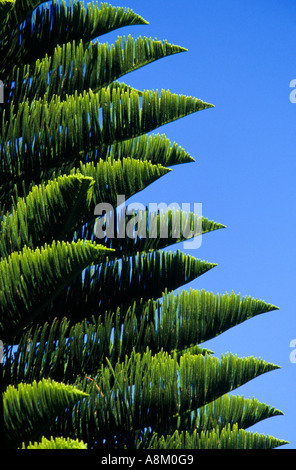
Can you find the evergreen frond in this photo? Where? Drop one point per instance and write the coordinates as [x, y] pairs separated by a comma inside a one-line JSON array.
[[76, 129], [101, 349], [155, 389], [56, 443], [79, 67], [31, 279], [29, 409], [229, 410], [230, 437], [5, 10], [64, 204], [202, 315], [49, 212], [64, 351], [19, 11], [119, 282], [124, 177], [149, 231], [155, 148], [56, 24], [174, 323]]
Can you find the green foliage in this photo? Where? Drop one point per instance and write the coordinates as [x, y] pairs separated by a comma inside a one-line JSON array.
[[56, 443], [30, 280], [230, 437], [101, 349], [30, 408], [6, 7]]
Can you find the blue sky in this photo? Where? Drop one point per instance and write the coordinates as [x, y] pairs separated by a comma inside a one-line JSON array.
[[241, 58]]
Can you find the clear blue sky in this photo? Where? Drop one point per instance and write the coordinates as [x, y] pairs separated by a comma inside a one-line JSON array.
[[241, 58]]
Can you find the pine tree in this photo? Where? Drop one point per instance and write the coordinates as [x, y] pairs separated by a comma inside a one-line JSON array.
[[100, 348]]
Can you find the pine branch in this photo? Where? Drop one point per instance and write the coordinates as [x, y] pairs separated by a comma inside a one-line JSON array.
[[155, 391], [26, 38], [118, 283], [229, 437], [47, 213], [31, 279], [56, 443], [79, 67], [29, 409], [76, 129]]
